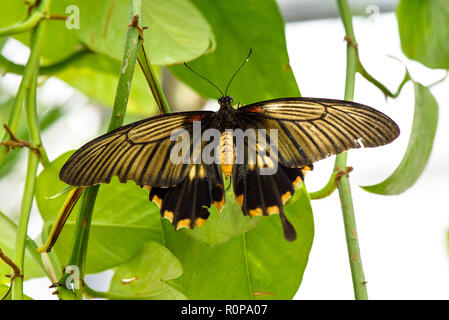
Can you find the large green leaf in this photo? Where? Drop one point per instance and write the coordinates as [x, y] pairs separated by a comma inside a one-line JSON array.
[[418, 151], [258, 264], [97, 76], [177, 30], [424, 31], [8, 232], [146, 274], [239, 26], [222, 226], [123, 219]]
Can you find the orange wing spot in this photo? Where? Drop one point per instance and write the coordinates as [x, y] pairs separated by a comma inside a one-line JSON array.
[[157, 200], [239, 200], [197, 117], [184, 223], [272, 210], [220, 204], [256, 212], [168, 215], [297, 180], [286, 196], [199, 222], [305, 169], [255, 109], [147, 188]]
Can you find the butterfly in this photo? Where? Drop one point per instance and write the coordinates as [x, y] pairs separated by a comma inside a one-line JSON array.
[[305, 130]]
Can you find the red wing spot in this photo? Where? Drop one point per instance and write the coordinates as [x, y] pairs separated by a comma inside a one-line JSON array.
[[256, 109], [197, 117]]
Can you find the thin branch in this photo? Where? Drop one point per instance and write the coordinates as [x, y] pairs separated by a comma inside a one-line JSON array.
[[15, 269], [344, 188], [30, 244], [152, 81], [83, 222], [28, 194], [15, 142], [28, 73], [42, 12], [331, 185], [7, 66], [361, 69]]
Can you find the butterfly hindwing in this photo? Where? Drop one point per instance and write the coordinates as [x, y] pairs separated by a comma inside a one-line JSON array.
[[263, 195], [185, 205], [139, 151], [311, 129]]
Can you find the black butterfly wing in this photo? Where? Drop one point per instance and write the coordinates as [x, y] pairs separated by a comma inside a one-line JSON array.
[[185, 205], [264, 195], [139, 151], [307, 130], [311, 129]]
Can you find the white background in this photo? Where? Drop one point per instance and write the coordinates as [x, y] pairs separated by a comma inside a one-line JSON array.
[[403, 238]]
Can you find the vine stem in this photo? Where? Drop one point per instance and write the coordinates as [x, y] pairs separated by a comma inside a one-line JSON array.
[[7, 66], [152, 81], [42, 12], [84, 219], [30, 245], [344, 187], [33, 162]]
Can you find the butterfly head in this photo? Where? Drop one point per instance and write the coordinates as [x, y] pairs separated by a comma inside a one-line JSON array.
[[225, 101]]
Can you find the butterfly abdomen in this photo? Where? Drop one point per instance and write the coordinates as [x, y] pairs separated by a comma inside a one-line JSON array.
[[227, 152]]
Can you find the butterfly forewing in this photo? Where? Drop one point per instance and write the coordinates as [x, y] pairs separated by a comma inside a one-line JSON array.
[[139, 151], [311, 129], [297, 133]]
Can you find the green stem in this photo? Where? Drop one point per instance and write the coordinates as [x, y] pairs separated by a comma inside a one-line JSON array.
[[344, 188], [42, 12], [30, 245], [83, 222], [7, 66], [27, 200], [361, 69], [28, 73], [327, 190], [152, 81]]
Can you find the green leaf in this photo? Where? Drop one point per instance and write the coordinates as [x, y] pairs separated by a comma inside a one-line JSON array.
[[146, 274], [97, 75], [239, 26], [8, 232], [177, 30], [123, 219], [58, 42], [418, 151], [424, 31], [222, 226], [259, 264], [47, 118]]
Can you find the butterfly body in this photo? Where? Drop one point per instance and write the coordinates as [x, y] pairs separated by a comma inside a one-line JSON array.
[[264, 172]]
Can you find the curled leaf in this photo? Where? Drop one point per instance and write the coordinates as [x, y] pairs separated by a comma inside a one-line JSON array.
[[418, 151]]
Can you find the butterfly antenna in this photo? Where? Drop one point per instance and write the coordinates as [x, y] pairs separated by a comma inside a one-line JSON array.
[[202, 77], [240, 68]]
